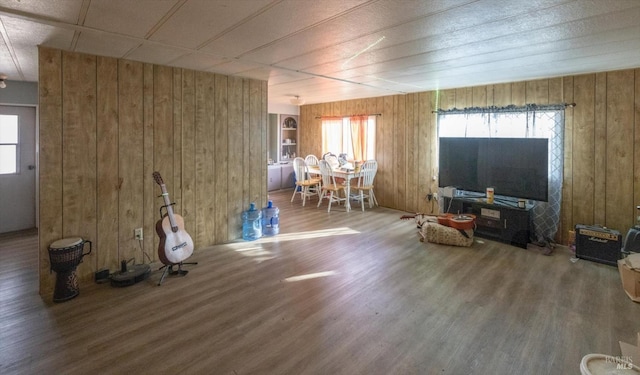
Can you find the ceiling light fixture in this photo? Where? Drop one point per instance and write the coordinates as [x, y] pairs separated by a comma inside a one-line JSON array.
[[3, 84], [297, 101]]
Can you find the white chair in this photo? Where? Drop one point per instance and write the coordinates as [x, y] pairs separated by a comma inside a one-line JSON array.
[[311, 160], [364, 187], [333, 161], [303, 182], [329, 185]]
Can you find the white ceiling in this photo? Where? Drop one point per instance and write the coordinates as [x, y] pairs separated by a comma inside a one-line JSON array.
[[328, 50]]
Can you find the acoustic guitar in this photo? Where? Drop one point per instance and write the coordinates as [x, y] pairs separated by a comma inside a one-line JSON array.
[[175, 243], [462, 222]]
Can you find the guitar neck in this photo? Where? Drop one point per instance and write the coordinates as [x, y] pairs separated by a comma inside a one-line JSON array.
[[167, 203]]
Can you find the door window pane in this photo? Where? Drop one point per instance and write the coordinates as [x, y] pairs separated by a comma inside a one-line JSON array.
[[8, 160], [8, 129], [8, 144]]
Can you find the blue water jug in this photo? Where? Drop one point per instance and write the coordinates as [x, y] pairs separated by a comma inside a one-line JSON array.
[[270, 220], [251, 223]]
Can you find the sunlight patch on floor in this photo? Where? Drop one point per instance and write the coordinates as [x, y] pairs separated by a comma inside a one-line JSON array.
[[250, 245], [309, 234], [258, 253], [255, 250], [309, 276]]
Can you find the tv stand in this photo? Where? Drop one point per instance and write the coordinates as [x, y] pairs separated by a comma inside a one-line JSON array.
[[495, 221]]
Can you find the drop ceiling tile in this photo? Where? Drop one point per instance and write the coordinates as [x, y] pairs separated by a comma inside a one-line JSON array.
[[198, 61], [23, 34], [198, 21], [377, 18], [278, 22], [154, 53], [98, 44], [60, 10], [281, 76], [134, 18], [261, 73], [254, 71]]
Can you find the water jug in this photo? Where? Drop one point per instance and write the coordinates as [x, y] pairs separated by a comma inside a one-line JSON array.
[[251, 223], [270, 220]]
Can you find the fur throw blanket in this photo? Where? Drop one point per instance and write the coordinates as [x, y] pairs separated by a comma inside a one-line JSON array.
[[430, 230]]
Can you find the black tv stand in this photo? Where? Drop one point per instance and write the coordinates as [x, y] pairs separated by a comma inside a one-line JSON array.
[[496, 221]]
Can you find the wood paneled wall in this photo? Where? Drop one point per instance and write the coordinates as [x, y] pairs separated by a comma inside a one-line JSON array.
[[602, 142], [107, 124]]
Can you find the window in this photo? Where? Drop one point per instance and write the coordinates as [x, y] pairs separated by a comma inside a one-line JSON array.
[[530, 121], [354, 136], [8, 144], [498, 125]]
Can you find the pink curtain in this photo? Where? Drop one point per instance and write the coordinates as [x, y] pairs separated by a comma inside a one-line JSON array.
[[359, 136]]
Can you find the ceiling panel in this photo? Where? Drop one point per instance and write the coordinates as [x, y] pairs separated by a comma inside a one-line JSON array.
[[25, 36], [243, 68], [498, 48], [285, 18], [66, 11], [396, 22], [198, 61], [496, 36], [135, 18], [94, 43], [334, 49], [198, 21], [155, 53]]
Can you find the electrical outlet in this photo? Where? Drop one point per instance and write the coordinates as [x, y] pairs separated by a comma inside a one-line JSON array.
[[138, 234]]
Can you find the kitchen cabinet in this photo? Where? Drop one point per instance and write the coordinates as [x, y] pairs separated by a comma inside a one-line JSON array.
[[280, 176], [274, 177]]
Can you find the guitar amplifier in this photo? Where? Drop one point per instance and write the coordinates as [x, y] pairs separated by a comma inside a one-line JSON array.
[[598, 244]]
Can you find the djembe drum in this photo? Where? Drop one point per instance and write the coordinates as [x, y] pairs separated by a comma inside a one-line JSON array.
[[64, 256]]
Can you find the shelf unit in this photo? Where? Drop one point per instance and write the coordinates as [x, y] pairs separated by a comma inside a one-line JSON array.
[[288, 137]]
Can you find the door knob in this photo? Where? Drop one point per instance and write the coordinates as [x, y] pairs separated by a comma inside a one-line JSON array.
[[31, 167]]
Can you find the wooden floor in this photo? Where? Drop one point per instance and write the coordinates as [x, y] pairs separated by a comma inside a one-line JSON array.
[[334, 293]]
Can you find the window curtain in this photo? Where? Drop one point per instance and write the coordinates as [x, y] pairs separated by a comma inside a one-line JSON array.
[[331, 135], [530, 121], [359, 136], [354, 136]]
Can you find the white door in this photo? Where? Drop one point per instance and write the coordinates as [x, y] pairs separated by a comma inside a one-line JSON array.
[[17, 168]]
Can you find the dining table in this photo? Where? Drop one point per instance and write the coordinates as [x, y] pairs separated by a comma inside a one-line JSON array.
[[346, 173]]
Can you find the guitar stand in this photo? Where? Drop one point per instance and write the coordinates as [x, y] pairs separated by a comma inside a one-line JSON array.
[[162, 215], [168, 269]]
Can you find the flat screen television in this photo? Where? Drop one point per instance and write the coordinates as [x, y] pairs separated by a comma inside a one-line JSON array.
[[514, 167]]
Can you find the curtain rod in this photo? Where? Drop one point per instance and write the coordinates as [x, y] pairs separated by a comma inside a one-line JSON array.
[[509, 108], [361, 114]]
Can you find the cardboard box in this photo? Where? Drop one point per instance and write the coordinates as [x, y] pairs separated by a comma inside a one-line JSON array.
[[630, 278]]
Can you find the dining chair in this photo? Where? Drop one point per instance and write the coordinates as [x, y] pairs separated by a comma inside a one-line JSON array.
[[364, 187], [311, 160], [305, 185], [333, 160], [329, 185], [334, 163]]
